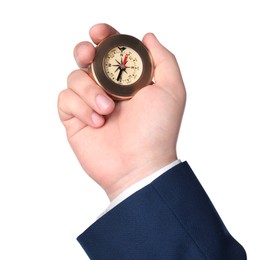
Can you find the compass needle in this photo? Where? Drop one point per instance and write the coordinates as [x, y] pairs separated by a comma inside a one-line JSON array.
[[119, 76]]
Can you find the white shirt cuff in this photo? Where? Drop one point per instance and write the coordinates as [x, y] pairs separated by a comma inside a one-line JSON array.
[[139, 185]]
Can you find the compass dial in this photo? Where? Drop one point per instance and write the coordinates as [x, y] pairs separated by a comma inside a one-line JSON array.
[[123, 65]]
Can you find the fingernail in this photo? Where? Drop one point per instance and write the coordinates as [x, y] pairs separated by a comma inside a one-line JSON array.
[[103, 102]]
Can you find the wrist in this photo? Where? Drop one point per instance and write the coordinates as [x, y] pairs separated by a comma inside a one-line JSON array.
[[144, 173], [139, 185]]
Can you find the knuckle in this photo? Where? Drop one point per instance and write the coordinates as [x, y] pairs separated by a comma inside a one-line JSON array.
[[62, 96]]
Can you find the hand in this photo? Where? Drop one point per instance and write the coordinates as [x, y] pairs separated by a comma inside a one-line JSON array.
[[120, 143]]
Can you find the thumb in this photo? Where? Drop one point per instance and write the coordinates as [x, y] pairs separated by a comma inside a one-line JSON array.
[[167, 73]]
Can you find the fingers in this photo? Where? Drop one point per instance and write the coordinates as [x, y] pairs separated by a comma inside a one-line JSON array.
[[84, 52], [93, 95], [72, 107], [84, 100], [167, 73]]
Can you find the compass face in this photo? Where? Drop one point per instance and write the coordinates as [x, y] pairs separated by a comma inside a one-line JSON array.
[[123, 65]]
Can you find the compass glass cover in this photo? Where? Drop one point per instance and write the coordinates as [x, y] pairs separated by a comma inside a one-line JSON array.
[[123, 65]]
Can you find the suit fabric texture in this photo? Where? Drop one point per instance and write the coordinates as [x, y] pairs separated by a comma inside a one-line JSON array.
[[172, 218]]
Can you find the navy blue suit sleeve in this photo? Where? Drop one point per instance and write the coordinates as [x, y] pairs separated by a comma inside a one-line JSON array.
[[171, 218]]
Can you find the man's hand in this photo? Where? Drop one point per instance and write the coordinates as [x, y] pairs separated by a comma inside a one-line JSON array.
[[120, 143]]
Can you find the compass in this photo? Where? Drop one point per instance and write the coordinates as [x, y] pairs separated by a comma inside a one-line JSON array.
[[122, 66]]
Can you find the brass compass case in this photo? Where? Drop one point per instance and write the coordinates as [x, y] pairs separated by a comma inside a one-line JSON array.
[[122, 66]]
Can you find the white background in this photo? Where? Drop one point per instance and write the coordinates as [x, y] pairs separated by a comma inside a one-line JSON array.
[[46, 200]]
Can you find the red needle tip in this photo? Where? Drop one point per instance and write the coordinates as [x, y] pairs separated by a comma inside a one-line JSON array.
[[125, 59]]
